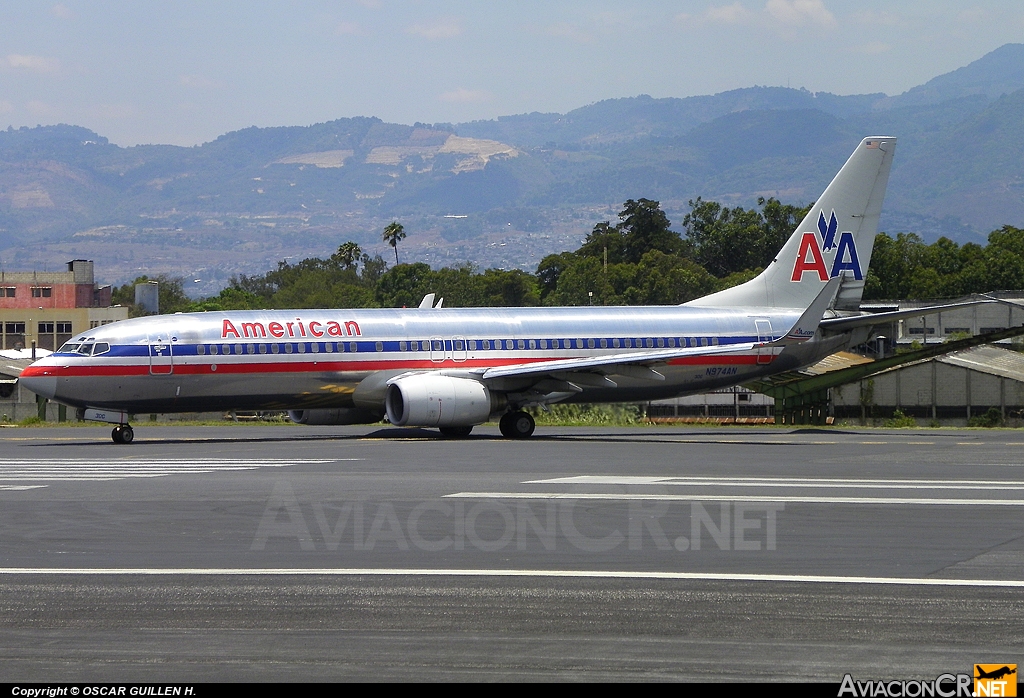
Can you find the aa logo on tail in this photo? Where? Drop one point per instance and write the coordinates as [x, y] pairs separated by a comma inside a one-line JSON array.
[[811, 256]]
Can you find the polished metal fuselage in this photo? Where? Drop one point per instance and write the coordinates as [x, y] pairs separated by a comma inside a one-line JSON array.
[[299, 359]]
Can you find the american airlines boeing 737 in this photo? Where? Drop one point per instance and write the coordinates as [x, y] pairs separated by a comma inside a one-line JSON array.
[[454, 368]]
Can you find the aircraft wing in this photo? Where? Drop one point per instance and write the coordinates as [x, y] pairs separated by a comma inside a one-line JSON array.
[[635, 363], [842, 324], [609, 363]]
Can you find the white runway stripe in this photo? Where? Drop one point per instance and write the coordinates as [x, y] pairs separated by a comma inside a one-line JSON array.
[[69, 469], [580, 574], [734, 498], [693, 481]]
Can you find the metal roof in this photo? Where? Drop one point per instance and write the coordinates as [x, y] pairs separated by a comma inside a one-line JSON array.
[[989, 359], [836, 362]]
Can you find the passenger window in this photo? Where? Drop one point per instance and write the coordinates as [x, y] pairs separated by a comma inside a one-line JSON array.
[[714, 341], [533, 344], [263, 348], [604, 343], [460, 345], [201, 350], [302, 347], [275, 348], [590, 344], [288, 348], [661, 342], [403, 346], [379, 346], [315, 347], [353, 346], [251, 348]]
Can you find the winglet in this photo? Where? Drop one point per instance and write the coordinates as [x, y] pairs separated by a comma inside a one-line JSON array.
[[807, 325]]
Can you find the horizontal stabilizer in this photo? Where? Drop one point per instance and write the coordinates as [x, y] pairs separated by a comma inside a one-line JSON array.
[[844, 324]]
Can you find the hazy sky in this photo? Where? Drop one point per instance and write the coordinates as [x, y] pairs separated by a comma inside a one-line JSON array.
[[185, 72]]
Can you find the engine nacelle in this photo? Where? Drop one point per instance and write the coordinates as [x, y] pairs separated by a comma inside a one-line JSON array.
[[342, 415], [430, 400]]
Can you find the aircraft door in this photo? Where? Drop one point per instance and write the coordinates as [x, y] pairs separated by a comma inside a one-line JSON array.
[[161, 355], [437, 352], [459, 350], [763, 327]]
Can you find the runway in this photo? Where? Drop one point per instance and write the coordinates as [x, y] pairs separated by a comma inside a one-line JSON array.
[[320, 553]]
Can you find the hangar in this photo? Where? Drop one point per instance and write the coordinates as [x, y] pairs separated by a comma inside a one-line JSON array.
[[948, 390]]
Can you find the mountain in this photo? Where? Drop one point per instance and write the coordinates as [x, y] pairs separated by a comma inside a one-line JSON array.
[[993, 75], [506, 191]]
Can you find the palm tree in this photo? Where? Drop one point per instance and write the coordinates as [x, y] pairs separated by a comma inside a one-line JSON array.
[[392, 234], [347, 255]]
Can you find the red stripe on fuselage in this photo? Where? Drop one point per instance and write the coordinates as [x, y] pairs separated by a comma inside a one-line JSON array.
[[337, 366]]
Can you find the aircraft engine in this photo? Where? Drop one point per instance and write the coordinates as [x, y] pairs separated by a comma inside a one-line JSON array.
[[342, 415], [429, 400]]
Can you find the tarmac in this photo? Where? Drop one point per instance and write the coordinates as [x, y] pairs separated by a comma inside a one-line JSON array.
[[359, 553]]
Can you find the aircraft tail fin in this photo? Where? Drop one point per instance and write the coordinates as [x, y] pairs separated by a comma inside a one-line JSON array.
[[834, 239]]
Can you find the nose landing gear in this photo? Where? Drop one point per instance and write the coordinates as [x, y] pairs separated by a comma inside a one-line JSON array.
[[122, 434]]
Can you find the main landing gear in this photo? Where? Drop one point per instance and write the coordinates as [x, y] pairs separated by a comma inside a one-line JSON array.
[[517, 425], [123, 434]]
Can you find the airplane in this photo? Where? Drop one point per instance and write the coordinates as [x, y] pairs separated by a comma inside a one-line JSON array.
[[995, 674], [456, 368]]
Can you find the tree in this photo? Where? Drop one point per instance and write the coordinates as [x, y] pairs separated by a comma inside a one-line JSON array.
[[728, 240], [171, 295], [644, 228], [393, 234], [347, 255]]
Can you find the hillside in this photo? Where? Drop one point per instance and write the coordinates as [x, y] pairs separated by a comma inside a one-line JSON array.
[[507, 191]]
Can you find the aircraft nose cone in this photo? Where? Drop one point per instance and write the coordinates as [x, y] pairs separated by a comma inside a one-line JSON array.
[[33, 379]]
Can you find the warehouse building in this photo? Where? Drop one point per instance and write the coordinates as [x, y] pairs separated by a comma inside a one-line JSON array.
[[948, 390], [958, 322]]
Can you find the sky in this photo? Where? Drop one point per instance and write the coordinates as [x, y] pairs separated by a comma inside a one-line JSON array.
[[183, 72]]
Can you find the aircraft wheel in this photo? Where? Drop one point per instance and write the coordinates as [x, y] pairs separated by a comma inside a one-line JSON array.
[[517, 425], [456, 432], [122, 434]]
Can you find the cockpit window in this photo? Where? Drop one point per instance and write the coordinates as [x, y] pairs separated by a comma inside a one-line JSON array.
[[85, 349], [100, 348], [69, 348]]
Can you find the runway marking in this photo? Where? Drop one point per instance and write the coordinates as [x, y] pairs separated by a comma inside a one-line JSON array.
[[592, 574], [81, 470], [697, 481], [734, 498]]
